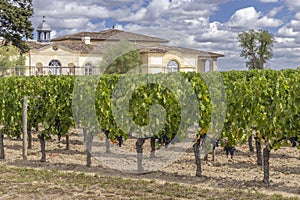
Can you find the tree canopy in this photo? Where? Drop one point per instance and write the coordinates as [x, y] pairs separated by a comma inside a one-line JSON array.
[[256, 47], [10, 60], [120, 58], [15, 22]]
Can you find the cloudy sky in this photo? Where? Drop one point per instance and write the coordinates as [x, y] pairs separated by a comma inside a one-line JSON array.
[[210, 25]]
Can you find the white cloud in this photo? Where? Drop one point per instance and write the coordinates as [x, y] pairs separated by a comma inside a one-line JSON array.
[[285, 57], [275, 11], [119, 26], [295, 24], [70, 23], [286, 32], [283, 43], [293, 4], [150, 14], [184, 9], [139, 15], [44, 4], [269, 1], [88, 27], [249, 18], [156, 9], [217, 32], [72, 9]]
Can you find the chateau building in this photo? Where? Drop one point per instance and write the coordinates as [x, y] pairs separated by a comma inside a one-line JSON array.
[[81, 53]]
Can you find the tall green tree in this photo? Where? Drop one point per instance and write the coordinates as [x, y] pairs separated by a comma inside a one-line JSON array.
[[15, 22], [256, 47], [120, 58], [11, 62]]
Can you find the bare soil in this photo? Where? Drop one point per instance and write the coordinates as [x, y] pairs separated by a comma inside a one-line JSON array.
[[239, 173]]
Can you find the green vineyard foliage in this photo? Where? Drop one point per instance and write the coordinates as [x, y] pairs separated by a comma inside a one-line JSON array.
[[237, 102]]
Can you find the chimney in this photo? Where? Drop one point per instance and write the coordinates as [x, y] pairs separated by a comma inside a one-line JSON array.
[[86, 40]]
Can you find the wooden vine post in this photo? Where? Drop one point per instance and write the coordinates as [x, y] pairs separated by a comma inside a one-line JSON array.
[[139, 149], [24, 114], [2, 154]]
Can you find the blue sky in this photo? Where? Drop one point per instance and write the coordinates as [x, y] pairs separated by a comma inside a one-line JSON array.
[[210, 25]]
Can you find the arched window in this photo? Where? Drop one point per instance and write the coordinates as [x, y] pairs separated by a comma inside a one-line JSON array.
[[88, 69], [55, 67], [172, 66]]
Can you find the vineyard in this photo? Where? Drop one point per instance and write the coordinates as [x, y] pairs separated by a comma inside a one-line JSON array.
[[216, 110]]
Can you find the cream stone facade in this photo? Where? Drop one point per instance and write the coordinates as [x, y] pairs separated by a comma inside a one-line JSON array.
[[81, 53]]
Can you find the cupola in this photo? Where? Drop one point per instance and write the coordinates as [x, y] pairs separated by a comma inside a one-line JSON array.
[[43, 31]]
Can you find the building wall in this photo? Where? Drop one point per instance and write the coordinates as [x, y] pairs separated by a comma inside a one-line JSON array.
[[67, 59], [42, 58], [151, 62]]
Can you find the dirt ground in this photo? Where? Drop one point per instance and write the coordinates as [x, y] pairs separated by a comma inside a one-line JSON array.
[[241, 172]]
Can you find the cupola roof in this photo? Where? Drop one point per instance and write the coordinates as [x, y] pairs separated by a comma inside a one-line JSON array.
[[44, 26]]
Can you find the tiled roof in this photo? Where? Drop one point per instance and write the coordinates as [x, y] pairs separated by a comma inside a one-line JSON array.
[[82, 47], [111, 34], [162, 48], [74, 46], [36, 45], [100, 48]]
